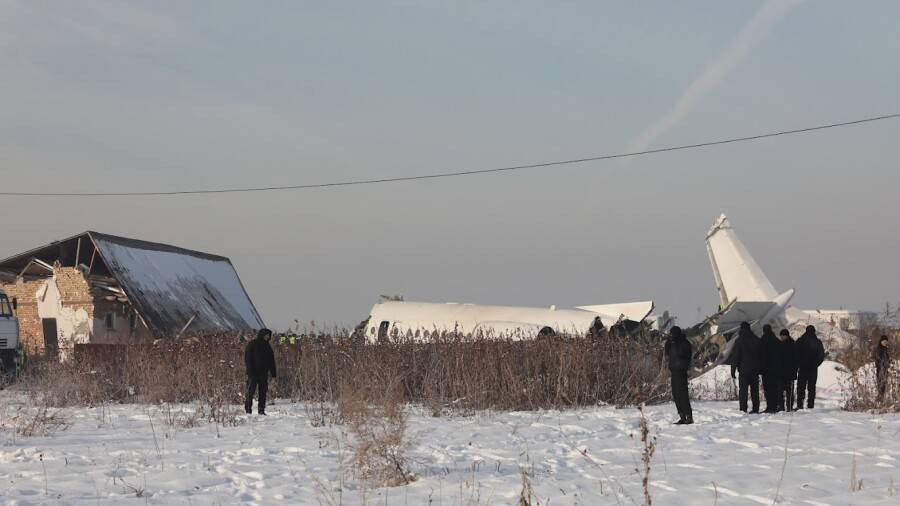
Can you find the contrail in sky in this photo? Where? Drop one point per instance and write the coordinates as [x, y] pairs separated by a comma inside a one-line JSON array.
[[755, 30]]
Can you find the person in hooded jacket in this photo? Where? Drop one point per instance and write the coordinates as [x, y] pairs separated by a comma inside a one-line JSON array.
[[747, 359], [260, 362], [882, 366], [771, 369], [679, 352], [788, 370], [810, 355]]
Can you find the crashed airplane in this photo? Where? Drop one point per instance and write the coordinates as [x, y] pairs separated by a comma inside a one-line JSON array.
[[746, 294], [422, 320]]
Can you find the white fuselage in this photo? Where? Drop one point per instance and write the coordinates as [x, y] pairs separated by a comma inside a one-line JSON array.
[[423, 320]]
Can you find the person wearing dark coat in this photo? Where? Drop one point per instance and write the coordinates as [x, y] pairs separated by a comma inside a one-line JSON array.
[[787, 370], [747, 359], [882, 366], [771, 368], [679, 353], [260, 362], [810, 355]]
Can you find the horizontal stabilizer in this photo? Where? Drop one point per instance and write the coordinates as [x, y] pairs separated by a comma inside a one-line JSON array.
[[750, 312], [635, 311]]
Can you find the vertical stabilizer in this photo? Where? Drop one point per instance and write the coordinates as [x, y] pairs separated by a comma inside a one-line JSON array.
[[737, 275]]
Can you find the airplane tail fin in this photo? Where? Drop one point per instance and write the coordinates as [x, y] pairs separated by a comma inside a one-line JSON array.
[[738, 276]]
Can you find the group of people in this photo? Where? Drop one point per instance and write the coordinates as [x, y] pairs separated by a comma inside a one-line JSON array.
[[778, 359]]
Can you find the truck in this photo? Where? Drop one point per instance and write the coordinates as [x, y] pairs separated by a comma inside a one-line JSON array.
[[9, 338]]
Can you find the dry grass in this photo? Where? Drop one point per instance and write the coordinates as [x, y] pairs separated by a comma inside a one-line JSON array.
[[446, 374], [526, 495], [38, 421], [648, 444]]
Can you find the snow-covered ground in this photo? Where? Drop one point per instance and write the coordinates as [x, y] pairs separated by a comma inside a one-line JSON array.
[[716, 384], [584, 456]]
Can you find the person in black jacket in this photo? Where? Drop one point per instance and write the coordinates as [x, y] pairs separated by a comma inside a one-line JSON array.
[[770, 368], [788, 370], [882, 366], [747, 358], [810, 355], [679, 352], [260, 362]]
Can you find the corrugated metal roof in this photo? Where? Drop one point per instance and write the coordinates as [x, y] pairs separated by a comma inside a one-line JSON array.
[[170, 285], [167, 285]]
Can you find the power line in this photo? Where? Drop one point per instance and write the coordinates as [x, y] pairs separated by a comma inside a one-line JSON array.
[[359, 182]]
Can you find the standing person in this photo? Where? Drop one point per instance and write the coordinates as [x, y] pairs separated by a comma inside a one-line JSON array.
[[20, 359], [747, 358], [770, 368], [260, 361], [882, 366], [810, 355], [679, 352], [788, 373]]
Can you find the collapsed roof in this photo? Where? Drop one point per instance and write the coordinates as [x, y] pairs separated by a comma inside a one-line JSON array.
[[169, 287]]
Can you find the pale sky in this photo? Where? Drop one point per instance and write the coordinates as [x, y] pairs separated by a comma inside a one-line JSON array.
[[169, 95]]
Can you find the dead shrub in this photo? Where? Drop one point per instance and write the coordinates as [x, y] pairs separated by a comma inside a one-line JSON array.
[[648, 444], [182, 418], [861, 391], [38, 421], [321, 414], [526, 495], [375, 416]]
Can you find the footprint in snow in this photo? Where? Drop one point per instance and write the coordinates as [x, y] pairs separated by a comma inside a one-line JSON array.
[[691, 466], [726, 440], [249, 497], [255, 475], [758, 499], [819, 467], [722, 490]]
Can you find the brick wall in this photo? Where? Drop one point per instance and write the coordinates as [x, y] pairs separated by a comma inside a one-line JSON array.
[[74, 289], [74, 294]]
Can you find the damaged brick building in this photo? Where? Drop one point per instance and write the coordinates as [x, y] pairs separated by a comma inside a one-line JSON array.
[[99, 288]]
